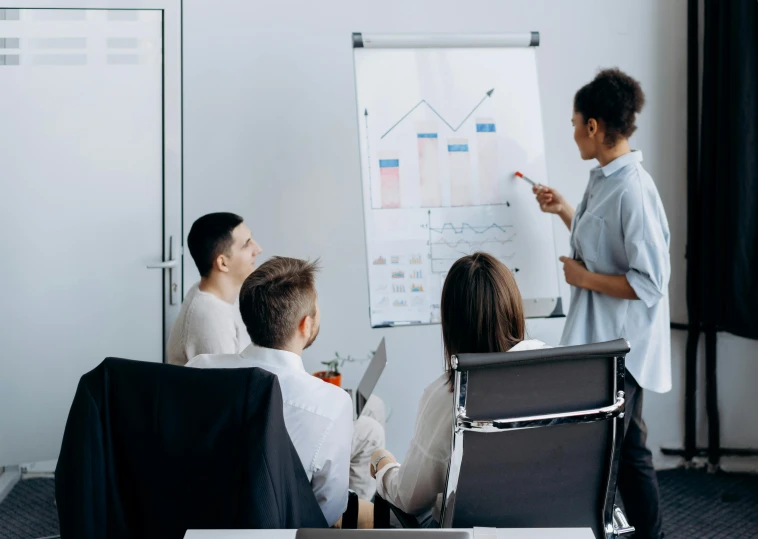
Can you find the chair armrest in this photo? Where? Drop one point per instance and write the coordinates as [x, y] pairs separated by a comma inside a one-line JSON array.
[[382, 510]]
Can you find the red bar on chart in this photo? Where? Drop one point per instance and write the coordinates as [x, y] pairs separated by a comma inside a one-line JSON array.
[[429, 165], [460, 172], [486, 139], [389, 177]]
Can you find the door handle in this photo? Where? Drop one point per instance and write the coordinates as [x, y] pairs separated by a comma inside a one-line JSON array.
[[169, 265], [164, 265]]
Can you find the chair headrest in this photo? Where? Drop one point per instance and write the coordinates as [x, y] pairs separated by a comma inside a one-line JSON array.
[[617, 348]]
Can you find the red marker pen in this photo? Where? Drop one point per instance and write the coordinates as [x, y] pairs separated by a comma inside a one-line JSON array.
[[520, 175]]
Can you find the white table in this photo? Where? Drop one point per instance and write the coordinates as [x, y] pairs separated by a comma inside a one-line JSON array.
[[502, 533]]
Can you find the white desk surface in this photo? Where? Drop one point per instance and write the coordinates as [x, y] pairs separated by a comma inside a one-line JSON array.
[[502, 533]]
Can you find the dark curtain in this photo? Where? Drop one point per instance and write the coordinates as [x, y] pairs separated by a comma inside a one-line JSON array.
[[723, 259]]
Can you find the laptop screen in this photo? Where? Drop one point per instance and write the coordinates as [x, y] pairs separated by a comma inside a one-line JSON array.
[[370, 378]]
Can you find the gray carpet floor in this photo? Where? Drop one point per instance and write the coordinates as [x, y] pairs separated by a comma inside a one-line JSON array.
[[695, 505]]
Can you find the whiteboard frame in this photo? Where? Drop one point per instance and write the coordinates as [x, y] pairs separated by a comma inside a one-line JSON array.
[[533, 307], [420, 41]]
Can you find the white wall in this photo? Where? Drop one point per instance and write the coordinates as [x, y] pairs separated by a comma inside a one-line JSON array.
[[270, 132]]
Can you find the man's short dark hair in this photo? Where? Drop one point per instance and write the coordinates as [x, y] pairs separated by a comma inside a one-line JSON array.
[[276, 297], [211, 236]]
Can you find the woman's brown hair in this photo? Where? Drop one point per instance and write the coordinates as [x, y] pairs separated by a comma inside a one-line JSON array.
[[481, 308]]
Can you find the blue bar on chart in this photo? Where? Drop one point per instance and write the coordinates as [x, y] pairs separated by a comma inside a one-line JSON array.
[[489, 184], [429, 165], [460, 172]]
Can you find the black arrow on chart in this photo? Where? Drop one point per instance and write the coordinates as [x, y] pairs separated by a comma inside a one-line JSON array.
[[424, 102], [368, 150]]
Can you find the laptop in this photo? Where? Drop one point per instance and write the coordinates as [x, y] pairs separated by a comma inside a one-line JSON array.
[[370, 378]]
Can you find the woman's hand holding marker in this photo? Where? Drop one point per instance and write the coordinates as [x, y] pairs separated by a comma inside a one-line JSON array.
[[550, 200]]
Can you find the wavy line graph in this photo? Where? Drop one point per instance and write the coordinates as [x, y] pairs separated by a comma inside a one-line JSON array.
[[473, 244], [465, 226], [450, 241]]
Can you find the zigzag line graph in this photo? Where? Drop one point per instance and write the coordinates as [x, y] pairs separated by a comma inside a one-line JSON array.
[[425, 102]]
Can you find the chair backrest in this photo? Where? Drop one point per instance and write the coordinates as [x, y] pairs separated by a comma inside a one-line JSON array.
[[537, 436], [152, 450]]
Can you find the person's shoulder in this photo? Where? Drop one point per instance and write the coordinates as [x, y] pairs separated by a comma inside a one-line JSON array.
[[312, 394], [438, 382], [435, 418], [638, 183], [529, 344], [216, 361], [208, 301], [439, 389], [191, 294], [648, 187], [206, 310], [333, 393]]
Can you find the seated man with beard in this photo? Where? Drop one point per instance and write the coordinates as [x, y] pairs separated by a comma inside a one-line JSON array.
[[279, 307]]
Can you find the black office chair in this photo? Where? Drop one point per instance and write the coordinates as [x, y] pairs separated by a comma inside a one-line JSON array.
[[536, 442], [153, 450]]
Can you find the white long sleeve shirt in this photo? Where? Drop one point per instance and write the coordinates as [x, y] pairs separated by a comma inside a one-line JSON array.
[[206, 325], [318, 417], [418, 484]]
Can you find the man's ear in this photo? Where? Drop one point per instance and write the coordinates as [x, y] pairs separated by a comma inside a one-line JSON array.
[[305, 326], [221, 264]]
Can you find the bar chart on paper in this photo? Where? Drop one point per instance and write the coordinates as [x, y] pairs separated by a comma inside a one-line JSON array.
[[464, 151], [442, 131]]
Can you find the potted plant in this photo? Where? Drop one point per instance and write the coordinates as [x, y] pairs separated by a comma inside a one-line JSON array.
[[332, 373]]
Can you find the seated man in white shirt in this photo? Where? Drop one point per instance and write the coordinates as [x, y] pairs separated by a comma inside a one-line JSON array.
[[279, 306], [209, 322]]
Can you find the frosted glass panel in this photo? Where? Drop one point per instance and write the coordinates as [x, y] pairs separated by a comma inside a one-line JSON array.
[[75, 37], [81, 210]]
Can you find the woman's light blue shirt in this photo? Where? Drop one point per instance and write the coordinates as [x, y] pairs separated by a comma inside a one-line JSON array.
[[620, 228]]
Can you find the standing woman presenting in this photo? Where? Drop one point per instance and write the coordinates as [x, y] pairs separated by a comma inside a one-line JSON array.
[[620, 269]]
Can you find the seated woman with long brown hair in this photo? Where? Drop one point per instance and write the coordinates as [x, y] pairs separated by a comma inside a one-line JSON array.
[[482, 311]]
